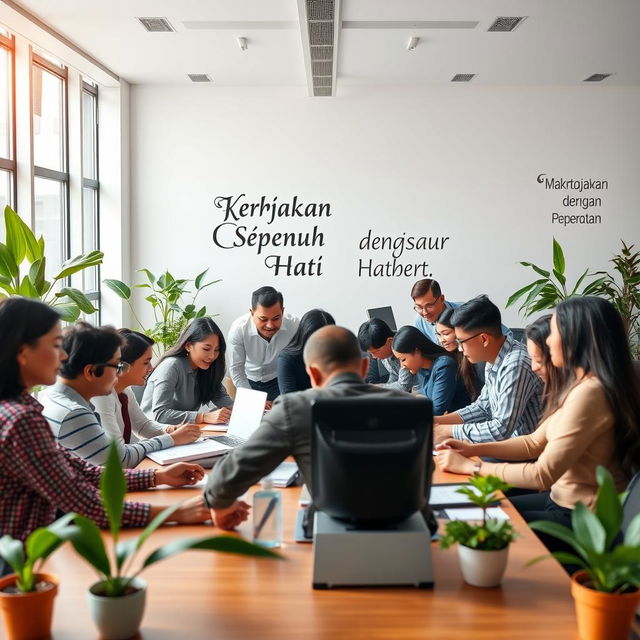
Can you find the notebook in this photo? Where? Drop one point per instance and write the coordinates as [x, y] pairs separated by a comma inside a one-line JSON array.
[[248, 409]]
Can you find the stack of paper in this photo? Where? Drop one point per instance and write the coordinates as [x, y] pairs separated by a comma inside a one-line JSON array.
[[285, 474], [475, 514], [194, 451]]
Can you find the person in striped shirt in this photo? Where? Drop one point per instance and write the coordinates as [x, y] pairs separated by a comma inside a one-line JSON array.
[[509, 404]]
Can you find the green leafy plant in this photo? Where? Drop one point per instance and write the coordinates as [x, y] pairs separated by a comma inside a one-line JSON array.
[[117, 577], [491, 534], [611, 561], [27, 559], [551, 288], [170, 312], [22, 246]]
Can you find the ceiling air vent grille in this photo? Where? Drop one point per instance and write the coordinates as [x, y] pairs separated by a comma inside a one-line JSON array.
[[321, 25], [199, 77], [597, 77], [505, 24], [156, 25], [324, 54], [322, 92], [463, 77]]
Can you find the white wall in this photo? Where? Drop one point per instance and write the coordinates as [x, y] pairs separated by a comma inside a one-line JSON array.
[[460, 162]]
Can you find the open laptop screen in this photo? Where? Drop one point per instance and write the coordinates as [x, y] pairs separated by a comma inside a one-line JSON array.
[[248, 409], [384, 313]]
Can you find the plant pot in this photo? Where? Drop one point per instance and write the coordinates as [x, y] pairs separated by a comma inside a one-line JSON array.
[[27, 616], [602, 616], [482, 568], [118, 618]]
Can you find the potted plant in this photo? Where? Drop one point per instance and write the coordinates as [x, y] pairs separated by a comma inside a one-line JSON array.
[[606, 589], [117, 600], [26, 596], [22, 246], [483, 547]]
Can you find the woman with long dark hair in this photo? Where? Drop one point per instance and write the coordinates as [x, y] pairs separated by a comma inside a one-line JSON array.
[[37, 477], [120, 413], [593, 420], [189, 377], [292, 375], [436, 368], [471, 374]]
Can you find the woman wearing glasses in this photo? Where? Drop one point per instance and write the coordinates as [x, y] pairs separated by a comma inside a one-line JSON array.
[[436, 368], [120, 414]]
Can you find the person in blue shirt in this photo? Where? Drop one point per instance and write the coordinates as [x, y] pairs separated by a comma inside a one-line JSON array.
[[437, 371]]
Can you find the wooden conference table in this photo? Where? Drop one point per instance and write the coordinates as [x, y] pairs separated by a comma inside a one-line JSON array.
[[202, 595]]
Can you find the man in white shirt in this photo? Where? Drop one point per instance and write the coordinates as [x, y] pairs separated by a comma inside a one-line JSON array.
[[256, 339]]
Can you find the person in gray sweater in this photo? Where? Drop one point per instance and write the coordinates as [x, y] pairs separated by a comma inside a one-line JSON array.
[[189, 378]]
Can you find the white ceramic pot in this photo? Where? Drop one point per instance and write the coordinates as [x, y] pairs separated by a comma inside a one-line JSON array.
[[482, 568], [118, 618]]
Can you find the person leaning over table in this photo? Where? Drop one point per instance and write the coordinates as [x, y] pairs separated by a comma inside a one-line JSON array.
[[509, 403], [336, 368], [39, 478], [594, 420], [189, 376], [120, 414]]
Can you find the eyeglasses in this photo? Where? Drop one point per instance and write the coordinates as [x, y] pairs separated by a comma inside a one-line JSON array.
[[461, 342], [121, 367], [426, 307]]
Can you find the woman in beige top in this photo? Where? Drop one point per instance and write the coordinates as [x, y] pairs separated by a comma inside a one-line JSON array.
[[593, 420]]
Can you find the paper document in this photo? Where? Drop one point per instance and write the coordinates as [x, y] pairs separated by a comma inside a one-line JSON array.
[[215, 428], [284, 474], [475, 514], [182, 453], [446, 494]]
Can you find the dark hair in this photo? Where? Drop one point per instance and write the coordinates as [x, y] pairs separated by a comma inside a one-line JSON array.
[[422, 287], [86, 344], [134, 344], [337, 348], [409, 339], [266, 297], [478, 314], [466, 370], [309, 323], [22, 322], [207, 380], [538, 332], [373, 334], [594, 339]]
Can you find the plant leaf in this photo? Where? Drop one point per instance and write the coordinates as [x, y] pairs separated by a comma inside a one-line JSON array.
[[119, 288], [559, 531], [113, 487], [79, 263], [8, 266], [558, 258], [37, 274], [587, 528], [519, 293], [78, 298], [200, 278], [15, 238], [608, 508], [13, 552], [69, 311], [87, 541], [149, 275], [632, 534]]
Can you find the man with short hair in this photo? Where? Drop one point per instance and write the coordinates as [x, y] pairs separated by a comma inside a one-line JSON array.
[[256, 339], [509, 404], [336, 367], [375, 337]]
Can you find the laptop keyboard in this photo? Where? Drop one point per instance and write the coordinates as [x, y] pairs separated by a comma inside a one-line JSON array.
[[231, 441]]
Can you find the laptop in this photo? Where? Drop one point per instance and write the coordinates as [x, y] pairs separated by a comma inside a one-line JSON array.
[[248, 409], [384, 313]]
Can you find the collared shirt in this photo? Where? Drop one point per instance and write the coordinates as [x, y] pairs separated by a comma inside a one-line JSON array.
[[509, 404], [38, 477], [251, 357], [171, 394], [443, 385], [76, 427], [151, 434], [399, 378]]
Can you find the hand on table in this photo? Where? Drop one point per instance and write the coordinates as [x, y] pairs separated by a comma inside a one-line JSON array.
[[454, 462], [463, 447], [441, 432], [192, 511], [230, 517], [185, 433], [180, 474], [219, 416]]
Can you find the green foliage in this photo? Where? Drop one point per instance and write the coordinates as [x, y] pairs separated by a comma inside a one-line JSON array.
[[21, 245], [166, 297], [491, 534], [88, 541], [27, 560], [612, 562]]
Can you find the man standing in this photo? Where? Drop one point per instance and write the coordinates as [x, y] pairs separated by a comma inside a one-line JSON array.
[[510, 402], [256, 339], [429, 303]]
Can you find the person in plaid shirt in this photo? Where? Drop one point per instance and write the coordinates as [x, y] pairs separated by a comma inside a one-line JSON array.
[[37, 477]]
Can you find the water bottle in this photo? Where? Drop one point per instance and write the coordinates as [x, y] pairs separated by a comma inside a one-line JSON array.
[[267, 515]]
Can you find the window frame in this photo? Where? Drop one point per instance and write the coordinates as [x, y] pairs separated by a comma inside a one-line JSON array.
[[10, 164]]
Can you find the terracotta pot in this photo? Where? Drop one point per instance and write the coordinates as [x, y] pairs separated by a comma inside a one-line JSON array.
[[27, 616], [602, 616], [118, 618], [482, 568]]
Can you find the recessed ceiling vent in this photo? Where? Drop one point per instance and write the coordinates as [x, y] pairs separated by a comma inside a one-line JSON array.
[[156, 25], [321, 25], [463, 77], [505, 24], [597, 77], [199, 77]]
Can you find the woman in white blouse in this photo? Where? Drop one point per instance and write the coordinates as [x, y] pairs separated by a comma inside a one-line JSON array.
[[121, 415]]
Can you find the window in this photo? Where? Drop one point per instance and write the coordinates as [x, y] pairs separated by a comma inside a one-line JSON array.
[[50, 158], [7, 126]]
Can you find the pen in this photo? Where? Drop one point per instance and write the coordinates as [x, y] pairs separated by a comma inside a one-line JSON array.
[[265, 516]]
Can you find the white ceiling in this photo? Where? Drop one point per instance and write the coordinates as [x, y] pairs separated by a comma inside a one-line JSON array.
[[560, 43]]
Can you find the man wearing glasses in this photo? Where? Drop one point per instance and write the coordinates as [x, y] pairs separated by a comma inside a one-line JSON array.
[[510, 402], [91, 369]]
